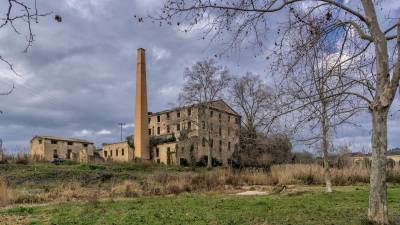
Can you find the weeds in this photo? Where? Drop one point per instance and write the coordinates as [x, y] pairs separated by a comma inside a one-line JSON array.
[[91, 183], [3, 193]]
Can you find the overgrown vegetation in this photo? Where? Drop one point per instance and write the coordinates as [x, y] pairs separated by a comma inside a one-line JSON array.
[[309, 206], [40, 183]]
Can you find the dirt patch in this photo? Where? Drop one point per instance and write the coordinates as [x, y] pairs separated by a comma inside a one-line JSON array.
[[246, 193], [14, 220]]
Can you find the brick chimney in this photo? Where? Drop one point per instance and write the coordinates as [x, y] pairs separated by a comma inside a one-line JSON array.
[[141, 135]]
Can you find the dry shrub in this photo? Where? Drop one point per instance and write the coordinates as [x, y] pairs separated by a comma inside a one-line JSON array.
[[173, 182], [128, 189], [93, 199], [297, 174], [3, 193]]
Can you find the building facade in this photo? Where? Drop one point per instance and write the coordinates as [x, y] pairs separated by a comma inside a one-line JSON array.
[[190, 131], [117, 152], [50, 147], [183, 135]]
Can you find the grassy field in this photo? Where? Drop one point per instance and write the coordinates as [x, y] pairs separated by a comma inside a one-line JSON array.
[[156, 194], [346, 206]]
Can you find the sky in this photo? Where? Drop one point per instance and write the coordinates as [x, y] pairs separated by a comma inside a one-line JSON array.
[[78, 78]]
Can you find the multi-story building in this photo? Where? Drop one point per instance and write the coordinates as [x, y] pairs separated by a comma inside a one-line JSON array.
[[50, 147], [184, 135]]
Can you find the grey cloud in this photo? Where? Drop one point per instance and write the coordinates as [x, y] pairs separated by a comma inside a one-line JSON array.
[[79, 74]]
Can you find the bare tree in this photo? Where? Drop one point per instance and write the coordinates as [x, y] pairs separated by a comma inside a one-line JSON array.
[[19, 16], [205, 82], [314, 91], [252, 98], [369, 43]]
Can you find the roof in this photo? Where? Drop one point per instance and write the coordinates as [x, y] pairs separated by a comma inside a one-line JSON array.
[[216, 104], [119, 142], [62, 139]]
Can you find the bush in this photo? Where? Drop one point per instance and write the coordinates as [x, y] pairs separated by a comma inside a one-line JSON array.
[[92, 167], [262, 151], [3, 193], [22, 159], [203, 161]]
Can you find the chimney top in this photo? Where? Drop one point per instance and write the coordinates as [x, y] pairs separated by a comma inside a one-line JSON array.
[[141, 55]]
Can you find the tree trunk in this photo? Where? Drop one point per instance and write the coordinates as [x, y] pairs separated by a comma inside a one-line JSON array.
[[209, 157], [325, 147], [377, 211]]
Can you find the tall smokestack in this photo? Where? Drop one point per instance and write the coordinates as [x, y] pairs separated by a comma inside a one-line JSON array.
[[141, 136]]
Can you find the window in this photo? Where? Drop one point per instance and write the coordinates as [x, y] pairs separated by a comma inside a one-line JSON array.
[[122, 151], [229, 146], [189, 111], [149, 131], [229, 118], [158, 130], [105, 153], [219, 116], [189, 125], [116, 152], [203, 142], [111, 152], [237, 120], [149, 119], [212, 143], [69, 153], [55, 154], [158, 119], [220, 131], [220, 146], [54, 142], [157, 152], [40, 141], [167, 116], [178, 114], [211, 113], [85, 145], [203, 124], [70, 143], [168, 129], [178, 127]]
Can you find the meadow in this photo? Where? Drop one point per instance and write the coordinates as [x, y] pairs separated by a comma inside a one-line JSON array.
[[156, 194]]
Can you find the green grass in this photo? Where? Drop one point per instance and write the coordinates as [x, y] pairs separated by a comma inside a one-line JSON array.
[[43, 174], [346, 206]]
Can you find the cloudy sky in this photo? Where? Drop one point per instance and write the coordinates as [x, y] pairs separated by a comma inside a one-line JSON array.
[[77, 80]]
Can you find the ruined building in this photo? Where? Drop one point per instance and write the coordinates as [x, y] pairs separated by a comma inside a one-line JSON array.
[[180, 136], [177, 136], [50, 147], [117, 152]]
